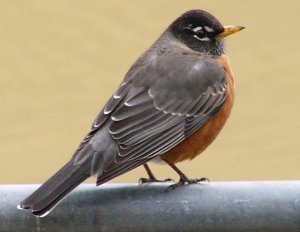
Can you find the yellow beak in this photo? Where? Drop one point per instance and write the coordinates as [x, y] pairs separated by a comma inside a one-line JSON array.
[[228, 30]]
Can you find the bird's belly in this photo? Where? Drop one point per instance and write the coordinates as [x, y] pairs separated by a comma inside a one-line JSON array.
[[204, 136], [199, 141]]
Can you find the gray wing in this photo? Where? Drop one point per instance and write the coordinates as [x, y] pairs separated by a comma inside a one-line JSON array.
[[158, 105]]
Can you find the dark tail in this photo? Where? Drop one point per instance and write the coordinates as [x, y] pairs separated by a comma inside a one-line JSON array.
[[47, 196]]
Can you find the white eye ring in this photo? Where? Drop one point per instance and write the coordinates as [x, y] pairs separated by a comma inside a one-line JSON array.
[[209, 29], [201, 39], [196, 29]]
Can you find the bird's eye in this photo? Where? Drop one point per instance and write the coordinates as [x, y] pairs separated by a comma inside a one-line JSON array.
[[200, 34]]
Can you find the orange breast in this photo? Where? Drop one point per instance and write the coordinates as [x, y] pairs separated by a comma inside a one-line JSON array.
[[202, 138]]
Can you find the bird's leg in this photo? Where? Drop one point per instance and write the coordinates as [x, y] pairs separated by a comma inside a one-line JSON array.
[[184, 180], [151, 178]]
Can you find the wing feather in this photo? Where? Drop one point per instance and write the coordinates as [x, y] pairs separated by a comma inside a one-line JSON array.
[[163, 100]]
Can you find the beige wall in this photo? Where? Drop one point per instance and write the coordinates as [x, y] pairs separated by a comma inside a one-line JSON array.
[[61, 60]]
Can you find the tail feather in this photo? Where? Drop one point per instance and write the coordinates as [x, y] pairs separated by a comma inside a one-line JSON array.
[[47, 196]]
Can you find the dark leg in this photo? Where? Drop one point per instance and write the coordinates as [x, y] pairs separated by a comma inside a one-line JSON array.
[[151, 178], [149, 172], [184, 180]]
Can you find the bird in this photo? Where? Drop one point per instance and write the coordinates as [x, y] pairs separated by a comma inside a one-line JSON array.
[[170, 106]]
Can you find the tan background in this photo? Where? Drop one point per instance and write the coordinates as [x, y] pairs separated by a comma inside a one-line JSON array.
[[61, 60]]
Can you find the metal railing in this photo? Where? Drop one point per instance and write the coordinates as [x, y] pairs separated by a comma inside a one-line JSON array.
[[260, 206]]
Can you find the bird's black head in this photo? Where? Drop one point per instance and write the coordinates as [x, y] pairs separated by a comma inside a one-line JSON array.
[[201, 31]]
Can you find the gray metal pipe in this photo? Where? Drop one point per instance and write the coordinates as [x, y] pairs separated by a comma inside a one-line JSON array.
[[215, 207]]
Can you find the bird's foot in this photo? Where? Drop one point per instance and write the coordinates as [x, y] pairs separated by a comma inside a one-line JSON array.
[[187, 181], [154, 180]]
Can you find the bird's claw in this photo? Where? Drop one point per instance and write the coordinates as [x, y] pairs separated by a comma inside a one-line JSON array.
[[187, 182], [154, 180]]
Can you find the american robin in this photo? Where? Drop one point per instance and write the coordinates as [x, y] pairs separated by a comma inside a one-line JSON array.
[[170, 106]]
